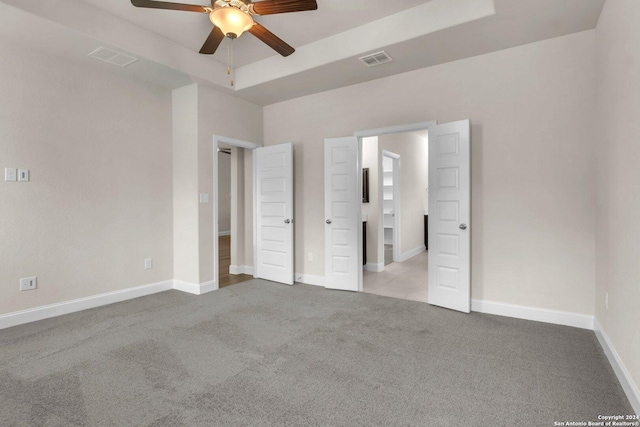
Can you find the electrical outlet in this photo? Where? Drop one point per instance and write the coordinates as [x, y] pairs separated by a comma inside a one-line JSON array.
[[606, 300], [148, 264], [28, 283], [310, 256]]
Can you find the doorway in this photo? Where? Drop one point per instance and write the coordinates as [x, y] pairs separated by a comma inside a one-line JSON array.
[[233, 211], [395, 227], [265, 213], [449, 171], [231, 229]]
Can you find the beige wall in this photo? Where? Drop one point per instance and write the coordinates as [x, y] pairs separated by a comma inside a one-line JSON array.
[[225, 115], [237, 206], [185, 184], [224, 195], [618, 184], [219, 114], [99, 201], [248, 208], [532, 115]]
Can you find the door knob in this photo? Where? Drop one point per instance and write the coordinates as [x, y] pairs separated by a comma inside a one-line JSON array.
[[328, 221], [287, 221], [463, 226]]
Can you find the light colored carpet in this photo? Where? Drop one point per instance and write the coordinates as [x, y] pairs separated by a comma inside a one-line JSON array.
[[259, 353]]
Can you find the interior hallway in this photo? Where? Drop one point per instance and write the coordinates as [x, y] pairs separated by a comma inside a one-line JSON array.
[[406, 280], [224, 260]]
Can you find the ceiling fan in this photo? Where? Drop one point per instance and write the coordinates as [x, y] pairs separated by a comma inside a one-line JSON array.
[[233, 17]]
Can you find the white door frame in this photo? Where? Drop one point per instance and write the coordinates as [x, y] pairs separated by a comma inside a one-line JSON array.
[[217, 140], [410, 127], [397, 205]]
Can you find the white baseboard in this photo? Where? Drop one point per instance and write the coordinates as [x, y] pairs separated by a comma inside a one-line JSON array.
[[195, 288], [413, 252], [375, 267], [628, 385], [224, 233], [241, 269], [576, 320], [45, 312], [309, 279]]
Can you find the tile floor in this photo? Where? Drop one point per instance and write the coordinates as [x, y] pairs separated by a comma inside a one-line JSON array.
[[406, 280]]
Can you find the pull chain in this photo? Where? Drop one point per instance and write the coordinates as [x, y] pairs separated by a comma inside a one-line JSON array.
[[230, 70]]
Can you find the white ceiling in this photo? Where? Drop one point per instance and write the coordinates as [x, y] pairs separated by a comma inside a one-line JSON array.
[[416, 33], [297, 29]]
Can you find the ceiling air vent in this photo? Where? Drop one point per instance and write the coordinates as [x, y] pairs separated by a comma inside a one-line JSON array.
[[376, 58], [112, 57]]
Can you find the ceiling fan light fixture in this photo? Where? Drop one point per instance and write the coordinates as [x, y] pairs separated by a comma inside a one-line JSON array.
[[231, 21]]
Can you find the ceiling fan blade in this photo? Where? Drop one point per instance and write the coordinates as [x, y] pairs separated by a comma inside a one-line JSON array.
[[151, 4], [273, 41], [269, 7], [213, 41]]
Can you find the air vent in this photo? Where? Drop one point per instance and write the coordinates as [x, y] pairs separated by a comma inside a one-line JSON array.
[[376, 59], [112, 57]]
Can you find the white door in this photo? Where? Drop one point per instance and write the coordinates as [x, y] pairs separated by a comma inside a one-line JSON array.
[[274, 212], [450, 216], [342, 200]]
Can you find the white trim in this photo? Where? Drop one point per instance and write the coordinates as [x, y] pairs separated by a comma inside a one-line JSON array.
[[391, 154], [375, 267], [224, 233], [395, 129], [413, 252], [47, 311], [235, 142], [195, 288], [576, 320], [626, 381], [309, 279], [241, 269]]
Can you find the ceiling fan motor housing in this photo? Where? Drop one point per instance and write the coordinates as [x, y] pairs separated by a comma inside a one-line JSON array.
[[238, 4]]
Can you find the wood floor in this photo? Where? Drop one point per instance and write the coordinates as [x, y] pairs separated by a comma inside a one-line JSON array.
[[224, 260]]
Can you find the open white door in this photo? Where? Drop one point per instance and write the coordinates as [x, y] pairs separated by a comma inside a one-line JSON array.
[[450, 216], [274, 211], [342, 217]]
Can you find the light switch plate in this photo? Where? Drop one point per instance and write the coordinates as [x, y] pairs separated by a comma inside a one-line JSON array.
[[10, 174], [204, 198], [23, 175]]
